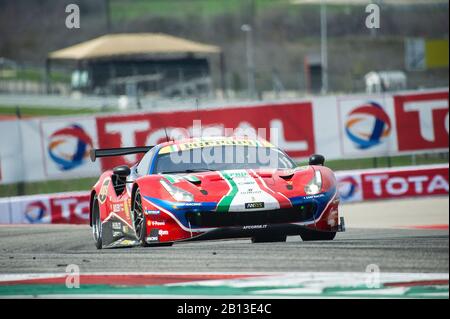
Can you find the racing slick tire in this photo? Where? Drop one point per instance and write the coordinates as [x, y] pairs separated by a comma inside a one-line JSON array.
[[139, 223], [269, 239], [97, 224], [310, 235]]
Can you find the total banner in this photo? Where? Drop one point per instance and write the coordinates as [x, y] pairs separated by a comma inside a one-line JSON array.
[[61, 208], [411, 181], [353, 186], [338, 127]]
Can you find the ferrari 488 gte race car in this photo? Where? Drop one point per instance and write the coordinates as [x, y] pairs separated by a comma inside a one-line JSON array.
[[216, 188]]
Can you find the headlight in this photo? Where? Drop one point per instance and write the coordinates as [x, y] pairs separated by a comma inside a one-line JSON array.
[[178, 194], [315, 185]]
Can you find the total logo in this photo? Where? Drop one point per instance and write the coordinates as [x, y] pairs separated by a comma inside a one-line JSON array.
[[36, 212], [348, 188], [69, 147], [368, 125]]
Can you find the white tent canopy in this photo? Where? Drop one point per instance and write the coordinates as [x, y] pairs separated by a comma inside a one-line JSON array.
[[131, 44]]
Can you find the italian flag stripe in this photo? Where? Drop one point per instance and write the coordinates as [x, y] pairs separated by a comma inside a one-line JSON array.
[[225, 202], [170, 178]]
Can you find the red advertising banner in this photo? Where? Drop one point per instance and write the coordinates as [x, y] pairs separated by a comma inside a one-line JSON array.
[[289, 125], [339, 127], [416, 181], [422, 121], [60, 208], [70, 209], [405, 183]]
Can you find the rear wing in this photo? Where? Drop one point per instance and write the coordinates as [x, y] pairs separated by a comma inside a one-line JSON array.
[[107, 152]]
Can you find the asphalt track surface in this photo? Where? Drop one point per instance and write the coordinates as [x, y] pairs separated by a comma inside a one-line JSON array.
[[394, 245]]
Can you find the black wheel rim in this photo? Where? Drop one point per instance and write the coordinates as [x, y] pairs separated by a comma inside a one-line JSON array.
[[138, 215]]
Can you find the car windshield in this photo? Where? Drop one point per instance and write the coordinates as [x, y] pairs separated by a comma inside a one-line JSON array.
[[217, 158]]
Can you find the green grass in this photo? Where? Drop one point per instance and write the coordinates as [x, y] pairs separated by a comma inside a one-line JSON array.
[[407, 160], [43, 111], [129, 10], [83, 184], [86, 183], [35, 75]]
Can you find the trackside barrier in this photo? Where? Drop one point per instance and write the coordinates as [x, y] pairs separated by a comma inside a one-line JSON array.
[[59, 208], [340, 127], [354, 186], [399, 182]]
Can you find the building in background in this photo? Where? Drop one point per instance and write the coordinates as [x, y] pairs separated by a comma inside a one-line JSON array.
[[135, 64], [313, 69]]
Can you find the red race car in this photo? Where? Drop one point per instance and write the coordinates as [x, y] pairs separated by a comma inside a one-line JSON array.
[[212, 188]]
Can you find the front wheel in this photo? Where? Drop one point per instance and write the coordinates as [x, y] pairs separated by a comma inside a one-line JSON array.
[[96, 224], [310, 235]]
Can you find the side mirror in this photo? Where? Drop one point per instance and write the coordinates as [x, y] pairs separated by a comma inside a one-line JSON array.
[[122, 171], [317, 159]]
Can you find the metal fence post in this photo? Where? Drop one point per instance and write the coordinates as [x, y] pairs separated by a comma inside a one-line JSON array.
[[21, 183]]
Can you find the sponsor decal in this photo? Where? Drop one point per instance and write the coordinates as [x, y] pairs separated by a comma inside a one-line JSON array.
[[314, 196], [152, 212], [116, 208], [254, 227], [127, 207], [201, 143], [117, 234], [154, 236], [163, 232], [103, 194], [254, 205], [251, 191], [368, 125], [36, 212], [116, 225], [69, 147], [188, 204], [157, 223]]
